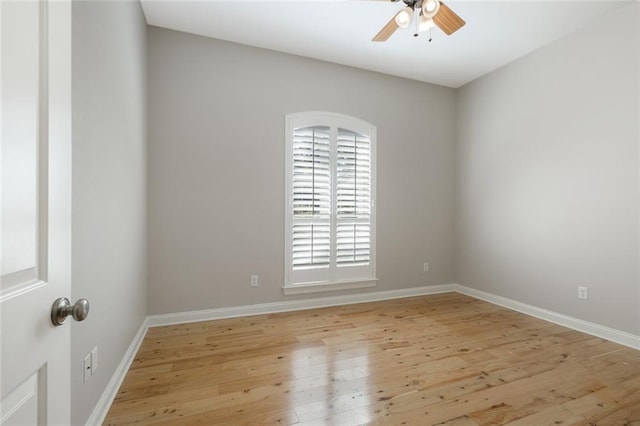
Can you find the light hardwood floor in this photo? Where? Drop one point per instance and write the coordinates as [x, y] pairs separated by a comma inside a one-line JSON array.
[[442, 359]]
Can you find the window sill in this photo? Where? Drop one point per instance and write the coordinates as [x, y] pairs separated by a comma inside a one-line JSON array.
[[325, 287]]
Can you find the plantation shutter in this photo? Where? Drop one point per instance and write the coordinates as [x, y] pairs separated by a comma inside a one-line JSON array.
[[330, 217], [311, 198], [353, 199]]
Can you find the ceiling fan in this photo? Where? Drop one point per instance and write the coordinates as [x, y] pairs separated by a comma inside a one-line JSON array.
[[431, 13]]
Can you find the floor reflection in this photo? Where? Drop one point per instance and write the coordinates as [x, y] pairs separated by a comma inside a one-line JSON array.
[[331, 386]]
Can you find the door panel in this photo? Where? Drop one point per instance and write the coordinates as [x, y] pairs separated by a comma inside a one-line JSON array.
[[20, 138], [35, 214], [20, 407]]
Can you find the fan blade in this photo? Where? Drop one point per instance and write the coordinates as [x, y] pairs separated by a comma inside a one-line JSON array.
[[447, 20], [387, 30]]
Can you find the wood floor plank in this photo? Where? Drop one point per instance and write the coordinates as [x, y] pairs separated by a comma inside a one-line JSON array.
[[445, 359]]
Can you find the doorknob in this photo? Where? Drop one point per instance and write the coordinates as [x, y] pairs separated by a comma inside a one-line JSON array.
[[62, 308]]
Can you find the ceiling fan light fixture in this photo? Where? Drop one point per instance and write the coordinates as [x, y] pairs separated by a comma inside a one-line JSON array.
[[425, 23], [430, 8], [403, 18], [431, 13]]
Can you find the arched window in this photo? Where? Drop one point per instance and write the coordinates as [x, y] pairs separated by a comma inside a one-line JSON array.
[[330, 206]]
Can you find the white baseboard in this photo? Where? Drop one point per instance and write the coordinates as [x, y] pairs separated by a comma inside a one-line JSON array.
[[104, 403], [617, 336], [293, 305]]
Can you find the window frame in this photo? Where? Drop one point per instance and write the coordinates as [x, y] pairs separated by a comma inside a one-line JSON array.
[[367, 276]]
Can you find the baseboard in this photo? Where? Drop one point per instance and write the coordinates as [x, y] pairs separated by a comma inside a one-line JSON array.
[[104, 403], [293, 305], [617, 336]]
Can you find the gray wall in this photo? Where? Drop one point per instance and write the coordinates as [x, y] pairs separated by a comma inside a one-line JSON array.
[[547, 176], [109, 188], [216, 169]]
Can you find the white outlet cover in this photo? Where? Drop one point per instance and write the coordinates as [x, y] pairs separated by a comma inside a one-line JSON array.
[[86, 366], [583, 293], [94, 360]]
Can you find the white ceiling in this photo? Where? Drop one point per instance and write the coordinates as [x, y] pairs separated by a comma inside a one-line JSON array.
[[340, 31]]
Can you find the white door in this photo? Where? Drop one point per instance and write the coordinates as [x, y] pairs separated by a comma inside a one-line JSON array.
[[35, 158]]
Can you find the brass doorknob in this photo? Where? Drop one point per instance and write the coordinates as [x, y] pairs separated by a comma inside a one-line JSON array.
[[62, 308]]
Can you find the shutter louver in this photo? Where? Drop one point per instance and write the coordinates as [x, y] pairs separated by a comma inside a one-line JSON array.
[[311, 245], [353, 199], [353, 244], [311, 198]]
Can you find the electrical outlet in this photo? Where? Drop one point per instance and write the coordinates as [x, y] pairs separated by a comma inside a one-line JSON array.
[[87, 367], [426, 267], [94, 360], [254, 281], [583, 293]]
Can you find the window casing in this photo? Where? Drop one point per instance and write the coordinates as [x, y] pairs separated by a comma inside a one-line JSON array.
[[330, 203]]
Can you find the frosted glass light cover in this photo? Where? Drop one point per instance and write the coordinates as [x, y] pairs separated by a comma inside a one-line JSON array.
[[403, 18], [425, 24], [430, 8]]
